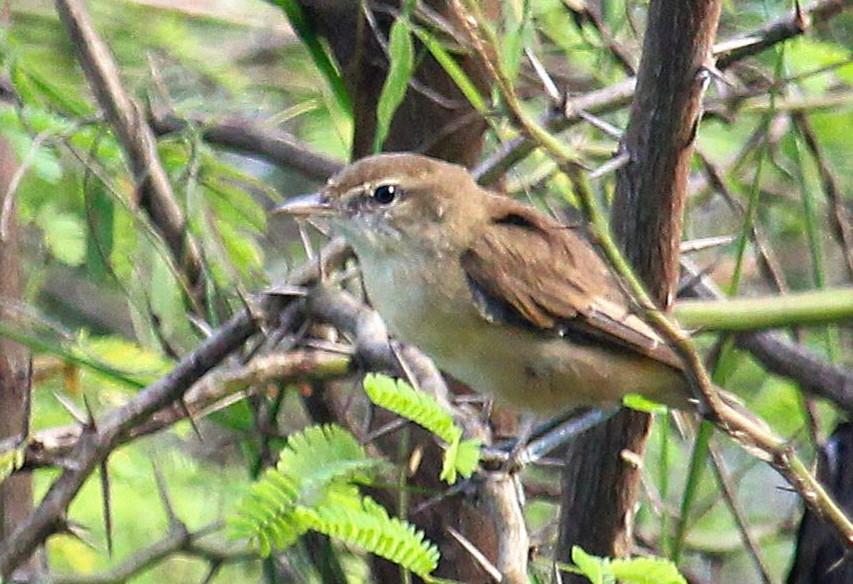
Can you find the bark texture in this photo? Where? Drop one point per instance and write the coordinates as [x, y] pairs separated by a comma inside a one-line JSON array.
[[16, 496], [434, 119], [602, 478]]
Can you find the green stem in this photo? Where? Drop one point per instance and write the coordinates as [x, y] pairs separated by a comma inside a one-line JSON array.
[[832, 305]]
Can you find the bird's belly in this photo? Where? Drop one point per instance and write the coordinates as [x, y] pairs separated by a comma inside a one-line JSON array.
[[526, 369]]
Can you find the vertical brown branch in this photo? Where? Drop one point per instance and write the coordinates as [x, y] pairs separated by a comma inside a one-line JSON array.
[[16, 496], [444, 128], [601, 483]]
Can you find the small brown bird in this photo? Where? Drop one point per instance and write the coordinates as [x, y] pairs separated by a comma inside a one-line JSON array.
[[501, 296]]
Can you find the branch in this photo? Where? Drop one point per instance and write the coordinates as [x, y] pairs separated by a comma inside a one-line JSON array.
[[793, 24], [127, 121], [178, 540], [210, 394], [278, 147], [102, 436], [616, 96], [744, 428], [782, 356], [743, 314], [496, 492]]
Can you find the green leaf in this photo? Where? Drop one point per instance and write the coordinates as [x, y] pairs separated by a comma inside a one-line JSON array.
[[517, 34], [369, 526], [244, 252], [453, 70], [34, 87], [10, 461], [593, 567], [646, 570], [64, 235], [461, 457], [233, 203], [639, 570], [100, 211], [402, 54], [43, 161], [643, 404], [404, 400], [318, 52], [74, 354], [342, 457], [468, 457], [311, 488]]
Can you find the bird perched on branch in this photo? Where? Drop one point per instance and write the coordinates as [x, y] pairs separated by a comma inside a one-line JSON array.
[[501, 296]]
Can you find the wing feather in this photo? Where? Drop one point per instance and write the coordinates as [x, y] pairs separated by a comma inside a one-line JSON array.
[[529, 270]]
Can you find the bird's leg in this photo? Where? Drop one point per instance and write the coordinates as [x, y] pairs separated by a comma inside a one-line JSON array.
[[534, 442], [527, 428]]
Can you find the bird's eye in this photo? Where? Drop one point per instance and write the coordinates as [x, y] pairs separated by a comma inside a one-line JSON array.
[[385, 194]]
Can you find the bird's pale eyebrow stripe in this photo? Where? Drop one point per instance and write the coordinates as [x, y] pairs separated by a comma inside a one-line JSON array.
[[368, 186]]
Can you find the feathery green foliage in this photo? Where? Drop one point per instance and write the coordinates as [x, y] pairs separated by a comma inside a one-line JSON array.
[[401, 398], [639, 570], [315, 487], [461, 456]]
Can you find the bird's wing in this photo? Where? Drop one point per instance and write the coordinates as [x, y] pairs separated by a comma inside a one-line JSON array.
[[529, 270]]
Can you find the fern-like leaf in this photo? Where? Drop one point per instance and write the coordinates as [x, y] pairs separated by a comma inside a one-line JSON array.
[[322, 454], [404, 400], [310, 462], [314, 486], [461, 456], [364, 523]]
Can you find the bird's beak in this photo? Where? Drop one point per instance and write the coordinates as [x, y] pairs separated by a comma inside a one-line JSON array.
[[314, 204]]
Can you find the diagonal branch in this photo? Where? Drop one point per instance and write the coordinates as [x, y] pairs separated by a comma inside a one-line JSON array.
[[276, 146], [125, 117], [98, 440], [105, 434], [178, 540], [611, 98]]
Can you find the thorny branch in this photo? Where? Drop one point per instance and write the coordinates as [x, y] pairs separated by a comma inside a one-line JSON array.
[[215, 391], [93, 444], [748, 431], [618, 95], [100, 437], [178, 540], [128, 122]]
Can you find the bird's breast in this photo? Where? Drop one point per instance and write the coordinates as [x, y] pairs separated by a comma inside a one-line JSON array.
[[429, 305]]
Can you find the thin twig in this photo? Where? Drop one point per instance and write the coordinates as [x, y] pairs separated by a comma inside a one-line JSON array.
[[840, 216], [178, 540], [97, 441], [730, 497], [618, 95], [276, 146]]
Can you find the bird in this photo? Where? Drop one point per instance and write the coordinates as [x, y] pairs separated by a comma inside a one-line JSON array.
[[501, 296]]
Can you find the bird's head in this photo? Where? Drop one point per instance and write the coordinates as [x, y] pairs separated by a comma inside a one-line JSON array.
[[383, 202]]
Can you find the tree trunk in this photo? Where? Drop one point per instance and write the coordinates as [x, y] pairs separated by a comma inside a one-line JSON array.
[[601, 484], [16, 497], [446, 128]]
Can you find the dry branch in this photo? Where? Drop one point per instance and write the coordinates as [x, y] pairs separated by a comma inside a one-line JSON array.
[[102, 436], [275, 146], [127, 120], [620, 94]]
